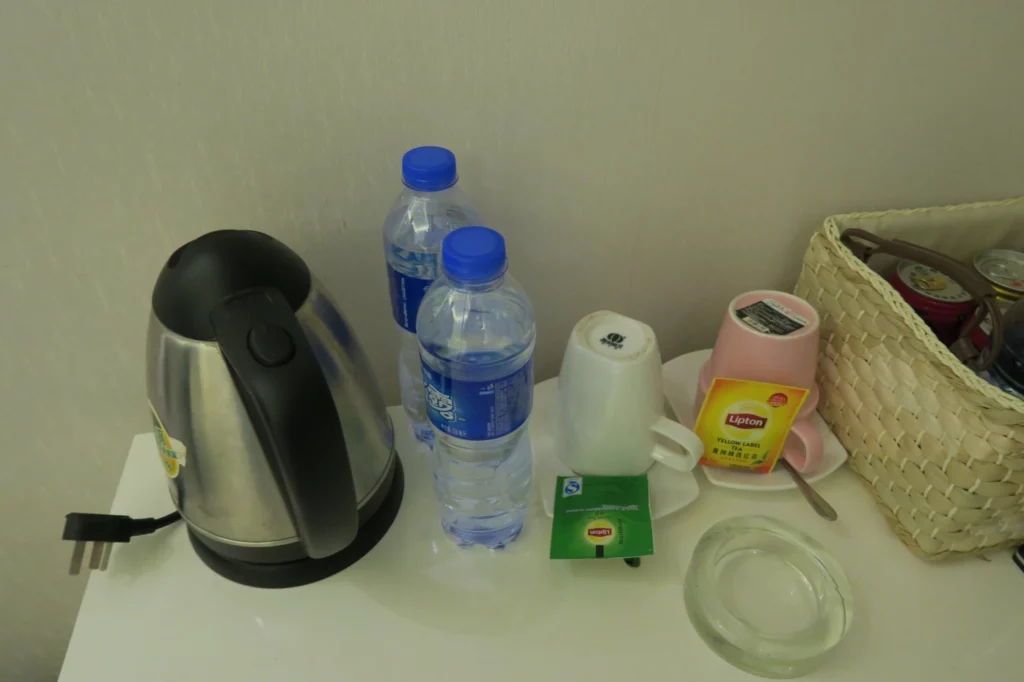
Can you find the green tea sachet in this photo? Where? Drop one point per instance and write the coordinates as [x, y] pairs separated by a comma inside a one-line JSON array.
[[602, 517]]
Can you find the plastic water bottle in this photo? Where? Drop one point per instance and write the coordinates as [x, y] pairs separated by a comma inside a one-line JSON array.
[[430, 207], [476, 334]]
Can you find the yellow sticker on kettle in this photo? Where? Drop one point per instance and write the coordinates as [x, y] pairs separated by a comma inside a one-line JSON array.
[[171, 451]]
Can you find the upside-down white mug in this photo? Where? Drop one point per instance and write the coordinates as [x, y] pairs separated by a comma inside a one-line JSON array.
[[611, 405]]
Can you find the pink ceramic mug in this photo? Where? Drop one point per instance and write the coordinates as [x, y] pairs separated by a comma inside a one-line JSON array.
[[772, 336], [768, 336], [803, 447]]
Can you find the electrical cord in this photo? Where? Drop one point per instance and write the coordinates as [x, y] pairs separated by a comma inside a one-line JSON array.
[[103, 530]]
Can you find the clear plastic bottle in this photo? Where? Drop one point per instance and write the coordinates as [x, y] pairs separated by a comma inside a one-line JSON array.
[[476, 334], [431, 206]]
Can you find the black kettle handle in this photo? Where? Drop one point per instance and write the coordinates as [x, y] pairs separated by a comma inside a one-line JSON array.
[[289, 402]]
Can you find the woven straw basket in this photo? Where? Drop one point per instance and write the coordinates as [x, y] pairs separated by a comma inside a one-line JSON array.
[[941, 449]]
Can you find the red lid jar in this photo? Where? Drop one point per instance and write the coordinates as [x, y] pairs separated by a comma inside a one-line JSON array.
[[942, 303]]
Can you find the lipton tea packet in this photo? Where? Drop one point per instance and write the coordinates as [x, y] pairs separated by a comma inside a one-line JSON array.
[[599, 517], [744, 424]]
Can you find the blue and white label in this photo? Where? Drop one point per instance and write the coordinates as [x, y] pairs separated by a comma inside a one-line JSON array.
[[479, 410], [407, 291], [572, 486], [406, 295]]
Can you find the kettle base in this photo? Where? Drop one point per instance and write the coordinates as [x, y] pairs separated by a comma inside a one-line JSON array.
[[305, 570]]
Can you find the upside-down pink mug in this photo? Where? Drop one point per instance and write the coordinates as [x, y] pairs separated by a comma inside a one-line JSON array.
[[772, 336], [768, 336]]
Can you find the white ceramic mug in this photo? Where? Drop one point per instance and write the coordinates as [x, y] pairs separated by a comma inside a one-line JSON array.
[[611, 406]]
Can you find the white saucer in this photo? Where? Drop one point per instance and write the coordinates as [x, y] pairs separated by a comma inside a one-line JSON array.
[[680, 377], [670, 490]]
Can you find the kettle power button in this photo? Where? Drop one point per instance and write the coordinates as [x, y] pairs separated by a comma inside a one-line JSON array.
[[271, 345]]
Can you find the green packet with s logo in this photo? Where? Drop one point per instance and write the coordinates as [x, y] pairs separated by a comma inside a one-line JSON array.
[[599, 517]]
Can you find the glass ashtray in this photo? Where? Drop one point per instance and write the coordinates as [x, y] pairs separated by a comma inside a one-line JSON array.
[[766, 597]]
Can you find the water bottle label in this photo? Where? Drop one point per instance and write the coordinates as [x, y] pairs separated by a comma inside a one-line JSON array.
[[407, 292], [479, 410]]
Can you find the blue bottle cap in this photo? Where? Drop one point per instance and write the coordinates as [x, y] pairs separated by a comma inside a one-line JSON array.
[[429, 169], [473, 255]]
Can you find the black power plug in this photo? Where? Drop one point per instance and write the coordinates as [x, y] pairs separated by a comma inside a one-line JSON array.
[[103, 530]]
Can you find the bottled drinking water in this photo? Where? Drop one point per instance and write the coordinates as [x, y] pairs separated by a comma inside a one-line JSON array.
[[430, 207], [476, 334]]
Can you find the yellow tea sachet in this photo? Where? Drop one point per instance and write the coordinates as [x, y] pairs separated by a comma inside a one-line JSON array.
[[744, 424]]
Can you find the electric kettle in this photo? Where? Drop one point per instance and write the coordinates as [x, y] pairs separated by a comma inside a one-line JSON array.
[[278, 451]]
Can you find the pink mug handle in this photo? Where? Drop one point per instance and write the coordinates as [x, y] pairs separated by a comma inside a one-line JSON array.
[[805, 458]]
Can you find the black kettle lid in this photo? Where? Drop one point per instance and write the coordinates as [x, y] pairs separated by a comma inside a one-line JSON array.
[[220, 265]]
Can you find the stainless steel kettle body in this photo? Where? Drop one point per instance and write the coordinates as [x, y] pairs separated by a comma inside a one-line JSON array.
[[271, 425]]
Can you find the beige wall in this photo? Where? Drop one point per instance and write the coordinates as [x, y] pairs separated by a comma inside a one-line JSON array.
[[654, 158]]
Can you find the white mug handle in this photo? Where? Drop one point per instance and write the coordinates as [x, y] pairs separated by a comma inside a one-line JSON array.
[[693, 448]]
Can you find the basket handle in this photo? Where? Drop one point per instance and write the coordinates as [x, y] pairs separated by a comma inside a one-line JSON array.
[[864, 244]]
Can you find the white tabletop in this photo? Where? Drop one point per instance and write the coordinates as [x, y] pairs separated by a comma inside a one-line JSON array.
[[417, 607]]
